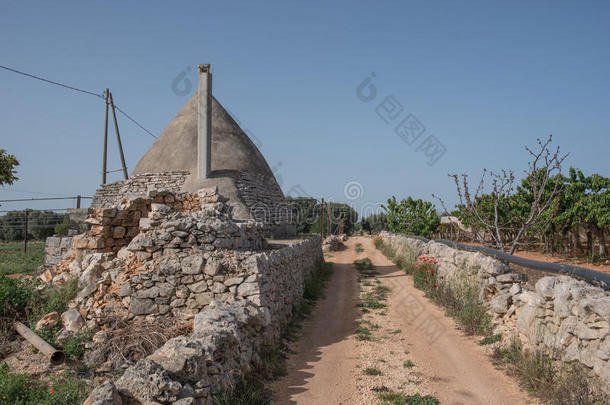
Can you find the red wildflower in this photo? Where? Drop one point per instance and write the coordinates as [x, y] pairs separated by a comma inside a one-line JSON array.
[[52, 391], [426, 281], [435, 285]]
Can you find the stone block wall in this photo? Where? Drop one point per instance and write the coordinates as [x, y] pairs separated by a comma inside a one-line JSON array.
[[111, 195], [248, 298], [264, 199], [57, 249], [565, 317]]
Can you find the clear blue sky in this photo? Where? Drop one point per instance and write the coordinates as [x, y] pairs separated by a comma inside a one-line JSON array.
[[485, 78]]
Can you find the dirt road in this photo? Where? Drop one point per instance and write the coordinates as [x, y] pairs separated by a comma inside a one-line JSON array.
[[328, 364]]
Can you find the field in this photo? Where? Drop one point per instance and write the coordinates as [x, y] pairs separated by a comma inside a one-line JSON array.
[[14, 260]]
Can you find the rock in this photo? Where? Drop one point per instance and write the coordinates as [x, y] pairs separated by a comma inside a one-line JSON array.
[[72, 320], [47, 276], [234, 281], [182, 357], [203, 299], [198, 287], [160, 208], [148, 382], [595, 331], [515, 289], [545, 286], [531, 298], [105, 394], [601, 306], [125, 289], [118, 232], [506, 278], [212, 267], [247, 289], [193, 264], [48, 321], [500, 303], [152, 292], [142, 306]]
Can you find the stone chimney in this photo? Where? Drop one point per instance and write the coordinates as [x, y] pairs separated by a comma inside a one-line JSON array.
[[204, 121]]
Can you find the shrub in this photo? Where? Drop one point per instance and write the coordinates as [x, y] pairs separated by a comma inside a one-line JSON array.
[[74, 345], [56, 298], [62, 228], [567, 384], [16, 296]]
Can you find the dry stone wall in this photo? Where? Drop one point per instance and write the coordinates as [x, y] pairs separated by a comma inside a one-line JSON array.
[[111, 195], [265, 200], [181, 257], [568, 318], [57, 249]]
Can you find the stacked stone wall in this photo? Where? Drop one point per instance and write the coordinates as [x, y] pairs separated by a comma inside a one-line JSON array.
[[264, 199], [567, 318], [57, 249], [111, 195]]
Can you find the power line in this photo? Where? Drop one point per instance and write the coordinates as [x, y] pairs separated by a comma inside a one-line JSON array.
[[134, 121], [52, 82], [80, 90], [46, 199]]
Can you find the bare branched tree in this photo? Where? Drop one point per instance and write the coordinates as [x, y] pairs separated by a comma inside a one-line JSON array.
[[489, 216]]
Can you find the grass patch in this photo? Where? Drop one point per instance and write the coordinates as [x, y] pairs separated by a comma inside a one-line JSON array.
[[488, 340], [389, 397], [25, 389], [408, 364], [359, 248], [249, 390], [567, 384], [14, 260], [371, 371], [374, 299], [396, 331], [364, 334]]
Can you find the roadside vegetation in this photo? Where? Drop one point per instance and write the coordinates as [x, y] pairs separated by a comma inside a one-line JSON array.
[[535, 370], [14, 260], [26, 300], [538, 374]]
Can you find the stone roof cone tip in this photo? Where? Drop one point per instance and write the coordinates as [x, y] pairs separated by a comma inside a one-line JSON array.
[[206, 143]]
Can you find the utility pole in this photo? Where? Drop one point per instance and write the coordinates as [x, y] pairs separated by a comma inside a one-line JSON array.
[[104, 158], [118, 137], [329, 229], [25, 232], [322, 221], [78, 201]]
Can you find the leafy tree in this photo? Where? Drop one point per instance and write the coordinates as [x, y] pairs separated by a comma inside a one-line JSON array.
[[7, 168], [375, 223], [305, 211], [40, 224], [414, 217]]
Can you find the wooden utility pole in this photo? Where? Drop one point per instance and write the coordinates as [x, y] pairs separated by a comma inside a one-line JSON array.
[[105, 155], [322, 221], [118, 137], [25, 231], [329, 229]]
